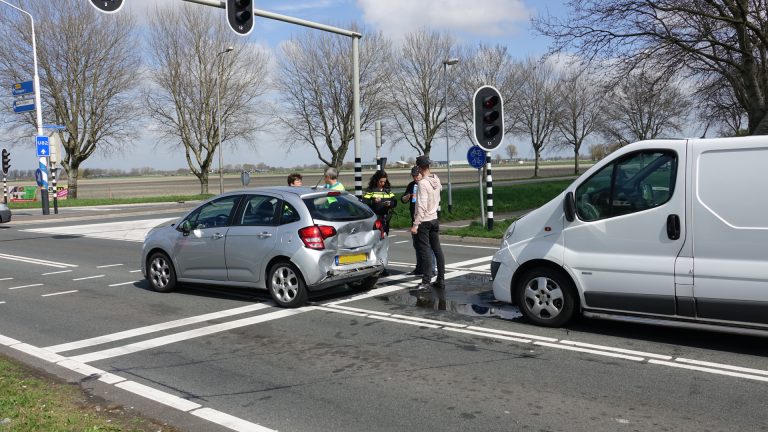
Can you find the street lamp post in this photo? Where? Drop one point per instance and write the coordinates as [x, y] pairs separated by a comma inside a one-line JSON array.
[[446, 63], [218, 115]]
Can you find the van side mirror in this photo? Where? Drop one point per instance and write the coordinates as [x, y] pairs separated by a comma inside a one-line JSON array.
[[569, 207], [185, 227]]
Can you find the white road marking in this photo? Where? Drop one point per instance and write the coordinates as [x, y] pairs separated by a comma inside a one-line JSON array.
[[619, 350], [708, 370], [400, 242], [509, 333], [58, 293], [154, 328], [4, 340], [29, 260], [415, 323], [88, 370], [133, 231], [124, 283], [3, 279], [341, 311], [471, 246], [722, 366], [190, 334], [88, 277], [228, 421], [25, 286], [470, 262], [487, 335], [158, 396], [2, 302], [109, 265], [56, 272], [134, 271], [590, 351]]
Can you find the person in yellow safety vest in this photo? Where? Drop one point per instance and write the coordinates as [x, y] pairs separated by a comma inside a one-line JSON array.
[[380, 199], [332, 180]]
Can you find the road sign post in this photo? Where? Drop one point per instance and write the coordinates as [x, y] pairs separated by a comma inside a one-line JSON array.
[[476, 159], [43, 146]]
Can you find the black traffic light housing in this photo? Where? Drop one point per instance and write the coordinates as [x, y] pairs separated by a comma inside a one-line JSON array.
[[240, 16], [488, 115], [6, 161], [108, 6]]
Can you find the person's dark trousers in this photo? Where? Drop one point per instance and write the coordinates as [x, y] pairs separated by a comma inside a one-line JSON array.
[[429, 242], [419, 265]]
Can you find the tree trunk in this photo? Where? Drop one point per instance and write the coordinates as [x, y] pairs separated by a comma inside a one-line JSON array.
[[576, 162], [537, 155], [72, 174], [203, 177], [758, 122]]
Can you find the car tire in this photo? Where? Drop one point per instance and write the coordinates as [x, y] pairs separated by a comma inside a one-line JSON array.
[[546, 297], [286, 285], [160, 273], [365, 284]]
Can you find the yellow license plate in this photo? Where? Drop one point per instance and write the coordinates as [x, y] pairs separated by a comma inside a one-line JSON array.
[[351, 259]]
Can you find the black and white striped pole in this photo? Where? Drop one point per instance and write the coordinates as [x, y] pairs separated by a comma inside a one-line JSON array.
[[489, 190], [378, 145]]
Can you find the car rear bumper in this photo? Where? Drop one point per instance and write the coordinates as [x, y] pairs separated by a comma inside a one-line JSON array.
[[5, 216], [339, 276]]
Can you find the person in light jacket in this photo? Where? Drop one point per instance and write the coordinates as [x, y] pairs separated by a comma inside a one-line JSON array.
[[426, 226]]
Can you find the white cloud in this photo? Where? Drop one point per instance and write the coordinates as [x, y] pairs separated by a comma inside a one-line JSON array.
[[316, 4], [486, 18]]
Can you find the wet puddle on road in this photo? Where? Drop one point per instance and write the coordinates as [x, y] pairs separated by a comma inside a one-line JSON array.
[[469, 295]]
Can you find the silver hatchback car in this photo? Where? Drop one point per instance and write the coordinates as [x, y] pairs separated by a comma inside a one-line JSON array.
[[287, 240]]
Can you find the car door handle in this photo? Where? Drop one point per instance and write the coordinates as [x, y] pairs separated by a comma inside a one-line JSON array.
[[217, 236], [673, 227], [264, 235]]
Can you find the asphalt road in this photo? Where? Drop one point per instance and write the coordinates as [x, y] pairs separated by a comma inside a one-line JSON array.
[[209, 359], [128, 187]]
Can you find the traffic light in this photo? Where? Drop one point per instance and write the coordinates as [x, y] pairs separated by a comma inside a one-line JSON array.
[[240, 16], [6, 161], [488, 114], [108, 6]]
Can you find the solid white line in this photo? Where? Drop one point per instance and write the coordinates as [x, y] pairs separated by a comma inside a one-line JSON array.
[[489, 335], [124, 283], [110, 265], [484, 267], [56, 272], [153, 328], [470, 246], [58, 293], [228, 421], [590, 351], [2, 302], [158, 396], [89, 277], [4, 340], [340, 311], [35, 261], [40, 353], [404, 241], [472, 261], [436, 322], [619, 350], [509, 333], [3, 279], [383, 318], [88, 370], [708, 370], [722, 366], [368, 312], [134, 271], [190, 334], [25, 286]]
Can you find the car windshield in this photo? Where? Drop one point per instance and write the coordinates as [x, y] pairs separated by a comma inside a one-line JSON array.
[[337, 208]]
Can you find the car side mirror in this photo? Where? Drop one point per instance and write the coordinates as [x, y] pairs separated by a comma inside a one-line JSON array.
[[569, 207], [185, 227]]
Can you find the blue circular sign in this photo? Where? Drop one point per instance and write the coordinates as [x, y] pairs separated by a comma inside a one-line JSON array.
[[476, 157]]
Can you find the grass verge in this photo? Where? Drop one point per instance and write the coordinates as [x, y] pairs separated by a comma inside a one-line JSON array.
[[84, 202], [476, 229], [33, 401]]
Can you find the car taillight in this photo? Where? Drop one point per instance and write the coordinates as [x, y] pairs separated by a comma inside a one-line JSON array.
[[379, 226], [313, 236]]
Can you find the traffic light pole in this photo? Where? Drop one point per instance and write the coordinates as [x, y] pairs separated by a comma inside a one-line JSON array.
[[355, 70]]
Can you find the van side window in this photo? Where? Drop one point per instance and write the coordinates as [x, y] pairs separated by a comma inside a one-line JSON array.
[[636, 182]]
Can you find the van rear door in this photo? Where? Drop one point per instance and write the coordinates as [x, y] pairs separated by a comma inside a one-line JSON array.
[[619, 246]]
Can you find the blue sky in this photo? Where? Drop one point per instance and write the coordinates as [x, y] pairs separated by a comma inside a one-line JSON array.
[[505, 22]]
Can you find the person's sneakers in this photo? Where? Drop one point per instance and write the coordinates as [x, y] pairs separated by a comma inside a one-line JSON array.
[[424, 287], [415, 272], [438, 284]]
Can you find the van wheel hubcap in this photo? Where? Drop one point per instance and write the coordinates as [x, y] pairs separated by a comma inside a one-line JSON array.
[[285, 284], [544, 297], [160, 272]]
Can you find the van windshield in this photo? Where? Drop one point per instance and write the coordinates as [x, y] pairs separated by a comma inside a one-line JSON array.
[[337, 208]]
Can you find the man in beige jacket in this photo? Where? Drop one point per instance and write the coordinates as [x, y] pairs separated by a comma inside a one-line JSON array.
[[426, 226]]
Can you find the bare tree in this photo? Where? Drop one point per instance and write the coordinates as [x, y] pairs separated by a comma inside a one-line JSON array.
[[511, 151], [538, 104], [187, 69], [486, 65], [416, 91], [581, 101], [644, 106], [87, 64], [711, 40], [316, 79], [720, 107]]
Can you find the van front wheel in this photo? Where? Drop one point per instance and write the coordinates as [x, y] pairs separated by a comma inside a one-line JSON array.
[[546, 297]]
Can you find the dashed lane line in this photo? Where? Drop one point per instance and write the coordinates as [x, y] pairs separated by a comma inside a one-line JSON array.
[[56, 272], [109, 265], [88, 277], [29, 260], [5, 279], [25, 286], [123, 283], [59, 293]]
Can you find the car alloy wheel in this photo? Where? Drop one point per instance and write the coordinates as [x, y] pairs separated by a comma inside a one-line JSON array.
[[162, 276], [286, 285]]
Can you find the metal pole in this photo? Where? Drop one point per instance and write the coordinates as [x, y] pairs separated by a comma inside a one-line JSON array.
[[482, 204], [55, 191], [218, 117], [378, 144], [447, 148], [489, 189], [356, 111], [5, 189]]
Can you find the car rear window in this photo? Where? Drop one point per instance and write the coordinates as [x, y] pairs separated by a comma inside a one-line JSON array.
[[337, 208]]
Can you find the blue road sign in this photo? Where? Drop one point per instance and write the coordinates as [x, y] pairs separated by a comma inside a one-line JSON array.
[[43, 146], [476, 157], [23, 105], [23, 88]]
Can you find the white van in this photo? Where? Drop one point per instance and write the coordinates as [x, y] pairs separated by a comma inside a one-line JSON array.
[[671, 229]]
